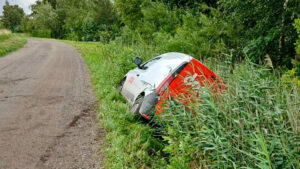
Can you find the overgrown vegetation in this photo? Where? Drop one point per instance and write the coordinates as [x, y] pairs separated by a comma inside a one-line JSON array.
[[41, 33], [10, 43], [259, 29], [255, 123], [251, 45], [12, 17]]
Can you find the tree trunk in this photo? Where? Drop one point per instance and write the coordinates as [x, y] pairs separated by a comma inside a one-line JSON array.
[[282, 37]]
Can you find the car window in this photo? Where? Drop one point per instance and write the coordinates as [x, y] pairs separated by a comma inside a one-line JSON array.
[[148, 64], [180, 69]]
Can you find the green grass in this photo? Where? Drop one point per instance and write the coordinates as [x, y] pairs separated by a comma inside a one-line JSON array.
[[10, 43], [128, 143], [5, 36], [253, 124]]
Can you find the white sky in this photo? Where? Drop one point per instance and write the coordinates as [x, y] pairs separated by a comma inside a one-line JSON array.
[[21, 3]]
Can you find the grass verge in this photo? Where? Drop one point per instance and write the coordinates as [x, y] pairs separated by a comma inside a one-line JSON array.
[[128, 142], [10, 43], [254, 124]]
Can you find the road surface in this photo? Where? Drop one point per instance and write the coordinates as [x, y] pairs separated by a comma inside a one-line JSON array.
[[47, 109]]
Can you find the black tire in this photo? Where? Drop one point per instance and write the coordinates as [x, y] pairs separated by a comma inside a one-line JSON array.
[[120, 85], [135, 108]]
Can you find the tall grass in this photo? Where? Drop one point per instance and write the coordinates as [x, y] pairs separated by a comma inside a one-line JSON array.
[[253, 124], [10, 43], [5, 36]]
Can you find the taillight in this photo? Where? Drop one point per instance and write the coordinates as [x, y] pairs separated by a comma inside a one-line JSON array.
[[164, 85]]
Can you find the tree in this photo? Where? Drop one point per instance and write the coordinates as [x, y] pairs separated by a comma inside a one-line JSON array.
[[1, 24], [190, 3], [267, 27], [131, 12], [53, 3], [297, 26], [105, 12], [27, 24], [45, 17], [12, 17]]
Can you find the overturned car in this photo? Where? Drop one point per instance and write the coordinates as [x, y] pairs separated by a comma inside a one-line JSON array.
[[170, 75]]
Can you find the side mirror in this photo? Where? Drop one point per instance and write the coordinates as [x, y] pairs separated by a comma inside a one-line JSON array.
[[138, 61]]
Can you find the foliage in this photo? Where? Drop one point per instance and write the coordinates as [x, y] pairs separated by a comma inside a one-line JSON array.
[[257, 29], [157, 18], [253, 124], [46, 33], [206, 28], [266, 27], [131, 12], [12, 17], [291, 78], [1, 24], [297, 26], [45, 17], [27, 24], [75, 19], [190, 3], [199, 35], [5, 36], [10, 43]]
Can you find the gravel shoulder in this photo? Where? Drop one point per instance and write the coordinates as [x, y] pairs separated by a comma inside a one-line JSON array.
[[47, 109]]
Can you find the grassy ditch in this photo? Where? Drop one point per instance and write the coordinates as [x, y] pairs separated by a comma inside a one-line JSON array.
[[129, 144], [254, 124], [10, 43]]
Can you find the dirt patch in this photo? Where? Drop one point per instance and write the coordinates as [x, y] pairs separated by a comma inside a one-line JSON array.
[[4, 31]]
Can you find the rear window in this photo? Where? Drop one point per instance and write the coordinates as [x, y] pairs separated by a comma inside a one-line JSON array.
[[148, 64]]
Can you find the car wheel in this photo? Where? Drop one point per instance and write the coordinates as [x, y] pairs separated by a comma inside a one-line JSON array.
[[120, 85], [135, 108]]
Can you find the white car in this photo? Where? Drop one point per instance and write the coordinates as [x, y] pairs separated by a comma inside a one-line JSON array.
[[143, 86]]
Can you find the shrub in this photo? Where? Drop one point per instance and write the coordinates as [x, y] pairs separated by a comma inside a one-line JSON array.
[[200, 36], [42, 33]]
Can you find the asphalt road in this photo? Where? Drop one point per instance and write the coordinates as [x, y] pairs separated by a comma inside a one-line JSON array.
[[47, 109]]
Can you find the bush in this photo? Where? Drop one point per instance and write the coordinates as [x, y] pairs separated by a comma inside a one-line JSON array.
[[72, 36], [157, 18], [42, 33], [199, 36]]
